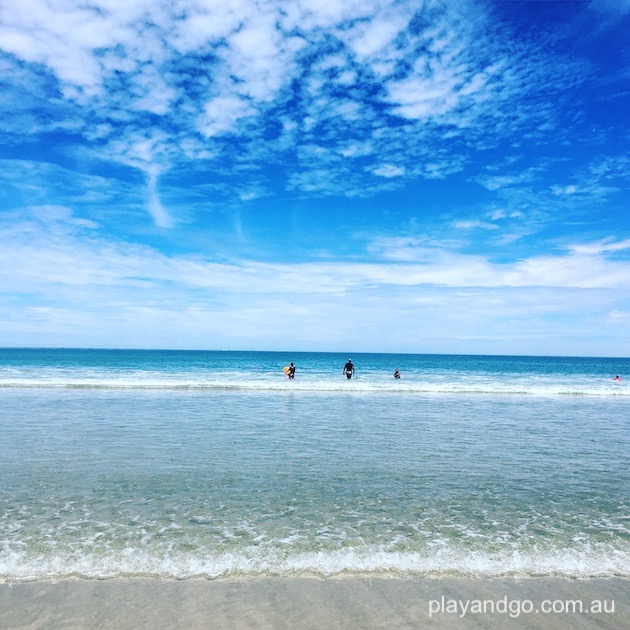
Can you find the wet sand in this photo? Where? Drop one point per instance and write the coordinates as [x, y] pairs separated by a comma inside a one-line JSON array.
[[295, 603]]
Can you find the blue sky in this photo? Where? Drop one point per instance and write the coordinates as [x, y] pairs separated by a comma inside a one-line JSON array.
[[366, 175]]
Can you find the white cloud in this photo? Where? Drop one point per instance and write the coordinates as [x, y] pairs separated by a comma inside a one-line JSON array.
[[453, 81], [575, 270], [204, 24], [600, 247], [222, 113], [159, 214], [564, 190], [59, 267], [324, 14], [371, 38], [257, 58], [41, 257], [471, 225], [503, 181], [404, 249], [357, 149], [498, 214], [154, 95], [51, 214], [389, 170]]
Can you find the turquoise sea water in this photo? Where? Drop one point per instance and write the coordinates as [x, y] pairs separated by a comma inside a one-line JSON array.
[[213, 464]]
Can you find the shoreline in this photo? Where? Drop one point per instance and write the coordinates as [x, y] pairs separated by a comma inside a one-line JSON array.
[[340, 602]]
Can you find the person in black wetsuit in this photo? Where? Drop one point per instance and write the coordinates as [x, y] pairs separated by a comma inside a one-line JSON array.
[[291, 373], [348, 369]]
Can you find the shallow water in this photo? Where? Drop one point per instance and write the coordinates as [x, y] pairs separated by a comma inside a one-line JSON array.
[[138, 463]]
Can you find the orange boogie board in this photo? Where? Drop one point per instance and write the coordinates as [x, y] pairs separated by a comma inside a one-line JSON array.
[[286, 370]]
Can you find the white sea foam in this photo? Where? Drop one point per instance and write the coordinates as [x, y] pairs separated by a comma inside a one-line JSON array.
[[367, 384], [599, 561]]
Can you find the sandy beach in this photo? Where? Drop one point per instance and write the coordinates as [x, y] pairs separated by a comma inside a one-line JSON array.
[[313, 603]]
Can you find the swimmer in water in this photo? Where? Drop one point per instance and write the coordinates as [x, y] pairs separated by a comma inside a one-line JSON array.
[[348, 369]]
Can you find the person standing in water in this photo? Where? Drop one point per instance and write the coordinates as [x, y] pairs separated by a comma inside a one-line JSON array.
[[396, 373], [348, 369]]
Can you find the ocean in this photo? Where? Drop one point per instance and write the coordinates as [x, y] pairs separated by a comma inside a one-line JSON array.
[[213, 464]]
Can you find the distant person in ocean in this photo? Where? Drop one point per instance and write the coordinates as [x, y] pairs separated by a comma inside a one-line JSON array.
[[291, 373], [617, 378], [348, 369], [396, 373]]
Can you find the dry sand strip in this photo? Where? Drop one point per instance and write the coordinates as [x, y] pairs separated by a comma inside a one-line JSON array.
[[296, 603]]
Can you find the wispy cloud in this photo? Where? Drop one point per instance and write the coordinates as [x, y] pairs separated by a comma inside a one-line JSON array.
[[471, 225], [51, 250], [497, 182], [389, 170], [73, 272], [606, 245]]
